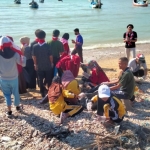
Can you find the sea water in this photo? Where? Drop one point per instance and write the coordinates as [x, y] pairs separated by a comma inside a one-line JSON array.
[[99, 27]]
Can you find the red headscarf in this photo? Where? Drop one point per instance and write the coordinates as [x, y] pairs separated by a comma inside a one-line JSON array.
[[7, 41]]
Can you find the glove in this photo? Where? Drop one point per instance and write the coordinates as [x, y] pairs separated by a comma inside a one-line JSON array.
[[89, 106]]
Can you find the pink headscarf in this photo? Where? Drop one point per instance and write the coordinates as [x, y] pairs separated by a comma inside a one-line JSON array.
[[66, 78]]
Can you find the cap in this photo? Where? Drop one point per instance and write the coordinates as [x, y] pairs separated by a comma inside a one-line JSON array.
[[141, 57], [103, 91]]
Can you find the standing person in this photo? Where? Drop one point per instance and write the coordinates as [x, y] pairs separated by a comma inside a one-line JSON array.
[[135, 65], [31, 84], [64, 41], [32, 44], [43, 62], [78, 44], [10, 56], [130, 37], [56, 49]]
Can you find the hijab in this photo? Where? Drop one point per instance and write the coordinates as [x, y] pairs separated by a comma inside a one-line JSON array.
[[67, 77]]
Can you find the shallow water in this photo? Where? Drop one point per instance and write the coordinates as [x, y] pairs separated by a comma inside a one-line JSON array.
[[99, 27]]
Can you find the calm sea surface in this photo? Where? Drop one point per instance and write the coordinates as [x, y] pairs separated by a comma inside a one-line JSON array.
[[99, 27]]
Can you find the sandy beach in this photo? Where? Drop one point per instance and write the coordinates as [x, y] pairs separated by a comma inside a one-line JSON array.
[[36, 127]]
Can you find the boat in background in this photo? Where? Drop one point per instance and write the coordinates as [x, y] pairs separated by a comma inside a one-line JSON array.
[[140, 4], [96, 5]]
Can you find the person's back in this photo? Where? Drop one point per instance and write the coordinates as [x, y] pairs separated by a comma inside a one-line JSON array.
[[127, 83], [56, 47], [42, 54]]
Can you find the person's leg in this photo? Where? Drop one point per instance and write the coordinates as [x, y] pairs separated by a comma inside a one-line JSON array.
[[48, 77], [6, 89], [141, 72], [70, 111], [127, 52], [79, 51], [15, 92], [41, 77], [133, 51], [74, 52]]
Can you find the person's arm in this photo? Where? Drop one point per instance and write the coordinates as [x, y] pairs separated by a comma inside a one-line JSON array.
[[68, 94], [34, 58], [21, 60], [115, 87], [145, 68], [145, 72], [124, 38], [61, 50], [94, 99], [135, 37]]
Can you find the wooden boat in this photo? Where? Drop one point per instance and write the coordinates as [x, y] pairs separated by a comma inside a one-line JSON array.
[[140, 4]]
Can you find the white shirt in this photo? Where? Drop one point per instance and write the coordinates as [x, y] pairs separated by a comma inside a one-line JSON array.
[[134, 66]]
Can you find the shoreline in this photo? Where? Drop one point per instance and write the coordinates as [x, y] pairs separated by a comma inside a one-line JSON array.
[[113, 52]]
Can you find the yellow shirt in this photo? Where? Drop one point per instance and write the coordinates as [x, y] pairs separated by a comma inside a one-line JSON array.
[[73, 87], [60, 104]]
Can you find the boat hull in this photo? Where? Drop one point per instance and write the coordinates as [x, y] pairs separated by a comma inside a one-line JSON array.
[[140, 5]]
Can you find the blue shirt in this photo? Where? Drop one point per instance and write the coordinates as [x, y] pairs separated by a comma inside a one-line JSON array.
[[79, 39]]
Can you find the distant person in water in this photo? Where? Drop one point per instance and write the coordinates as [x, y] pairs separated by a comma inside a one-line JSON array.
[[129, 38], [33, 3], [78, 44]]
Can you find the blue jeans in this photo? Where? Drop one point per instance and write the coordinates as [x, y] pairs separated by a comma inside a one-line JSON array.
[[9, 87]]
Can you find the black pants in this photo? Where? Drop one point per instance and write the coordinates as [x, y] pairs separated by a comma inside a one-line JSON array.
[[32, 74], [45, 78], [79, 51], [139, 73]]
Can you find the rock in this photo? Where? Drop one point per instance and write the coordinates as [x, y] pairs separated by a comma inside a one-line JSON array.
[[35, 133], [6, 138]]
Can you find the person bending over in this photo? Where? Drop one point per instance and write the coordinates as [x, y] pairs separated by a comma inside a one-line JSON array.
[[71, 84], [135, 65], [58, 106], [108, 106]]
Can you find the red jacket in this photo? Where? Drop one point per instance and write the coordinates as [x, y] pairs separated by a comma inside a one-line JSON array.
[[71, 63], [98, 78]]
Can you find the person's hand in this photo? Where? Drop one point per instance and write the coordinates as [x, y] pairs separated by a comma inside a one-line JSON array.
[[86, 75], [89, 106], [35, 67], [104, 83], [73, 41], [144, 77]]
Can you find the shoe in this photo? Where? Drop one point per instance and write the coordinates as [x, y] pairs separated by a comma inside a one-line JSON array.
[[9, 113], [63, 116]]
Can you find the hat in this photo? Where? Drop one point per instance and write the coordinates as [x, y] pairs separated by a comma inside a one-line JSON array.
[[56, 33], [141, 57], [131, 25], [103, 91]]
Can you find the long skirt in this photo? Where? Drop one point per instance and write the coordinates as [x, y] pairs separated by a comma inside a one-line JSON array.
[[32, 74]]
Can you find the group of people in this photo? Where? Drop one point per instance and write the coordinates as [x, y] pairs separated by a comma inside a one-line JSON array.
[[44, 60]]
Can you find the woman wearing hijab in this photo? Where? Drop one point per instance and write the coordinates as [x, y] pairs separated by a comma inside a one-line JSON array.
[[64, 41], [10, 56], [70, 83], [97, 74], [58, 106], [26, 50]]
